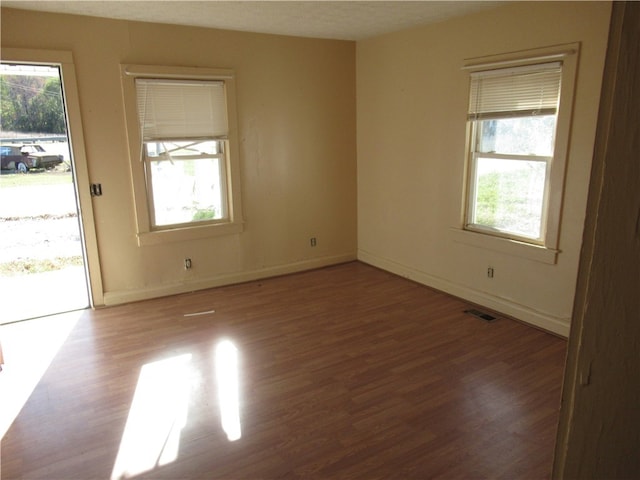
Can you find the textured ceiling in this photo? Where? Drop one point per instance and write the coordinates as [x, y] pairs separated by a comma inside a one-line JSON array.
[[344, 20]]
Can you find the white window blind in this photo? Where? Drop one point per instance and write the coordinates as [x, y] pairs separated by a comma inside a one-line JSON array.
[[181, 109], [517, 91]]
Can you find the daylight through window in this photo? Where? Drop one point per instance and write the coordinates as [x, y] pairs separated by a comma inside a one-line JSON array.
[[183, 152], [184, 131], [513, 118]]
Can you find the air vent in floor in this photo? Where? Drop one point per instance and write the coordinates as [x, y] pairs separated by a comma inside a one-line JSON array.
[[482, 315]]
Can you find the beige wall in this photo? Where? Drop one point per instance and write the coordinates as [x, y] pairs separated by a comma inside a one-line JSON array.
[[296, 118], [297, 105], [411, 108]]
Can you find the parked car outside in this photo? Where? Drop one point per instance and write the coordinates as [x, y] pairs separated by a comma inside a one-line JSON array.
[[24, 157]]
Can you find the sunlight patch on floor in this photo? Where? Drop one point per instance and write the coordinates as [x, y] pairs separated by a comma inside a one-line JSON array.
[[29, 347], [226, 361], [156, 418]]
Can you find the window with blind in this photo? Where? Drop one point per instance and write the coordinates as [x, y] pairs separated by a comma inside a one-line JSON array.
[[512, 116], [183, 151], [184, 129]]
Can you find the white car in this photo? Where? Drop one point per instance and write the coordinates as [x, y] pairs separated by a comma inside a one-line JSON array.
[[24, 157]]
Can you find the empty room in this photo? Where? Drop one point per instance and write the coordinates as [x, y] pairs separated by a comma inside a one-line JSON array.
[[335, 240]]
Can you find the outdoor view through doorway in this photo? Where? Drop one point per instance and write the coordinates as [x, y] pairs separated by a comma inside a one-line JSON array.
[[42, 266]]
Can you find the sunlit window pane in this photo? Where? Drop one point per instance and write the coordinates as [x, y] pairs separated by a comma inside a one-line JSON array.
[[187, 182], [509, 195], [531, 135], [176, 150]]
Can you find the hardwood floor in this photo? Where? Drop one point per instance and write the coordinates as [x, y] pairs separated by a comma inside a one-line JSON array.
[[344, 372]]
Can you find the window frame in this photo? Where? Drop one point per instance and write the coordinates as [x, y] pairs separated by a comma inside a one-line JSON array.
[[146, 232], [546, 247]]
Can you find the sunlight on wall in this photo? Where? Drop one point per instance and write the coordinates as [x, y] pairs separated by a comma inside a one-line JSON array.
[[226, 361], [157, 416]]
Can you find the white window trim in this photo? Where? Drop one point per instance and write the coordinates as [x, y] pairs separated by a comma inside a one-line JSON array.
[[547, 251], [145, 233], [506, 246]]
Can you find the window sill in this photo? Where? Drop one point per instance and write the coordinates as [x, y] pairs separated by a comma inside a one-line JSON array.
[[506, 246], [188, 233]]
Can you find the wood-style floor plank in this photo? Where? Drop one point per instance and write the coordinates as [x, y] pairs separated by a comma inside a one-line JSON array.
[[345, 372]]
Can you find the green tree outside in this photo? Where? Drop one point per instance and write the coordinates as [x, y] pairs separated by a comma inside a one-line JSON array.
[[31, 104]]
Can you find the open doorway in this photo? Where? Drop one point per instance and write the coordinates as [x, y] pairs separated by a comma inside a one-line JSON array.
[[42, 255]]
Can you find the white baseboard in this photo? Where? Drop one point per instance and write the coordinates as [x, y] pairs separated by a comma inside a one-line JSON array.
[[120, 297], [556, 325]]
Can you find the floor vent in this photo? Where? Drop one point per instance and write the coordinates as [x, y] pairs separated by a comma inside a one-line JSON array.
[[481, 315]]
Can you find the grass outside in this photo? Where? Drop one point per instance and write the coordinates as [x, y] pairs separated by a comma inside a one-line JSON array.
[[33, 179], [37, 265], [510, 201], [17, 188]]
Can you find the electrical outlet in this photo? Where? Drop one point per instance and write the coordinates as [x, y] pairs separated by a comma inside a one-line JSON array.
[[490, 272], [187, 263], [313, 241]]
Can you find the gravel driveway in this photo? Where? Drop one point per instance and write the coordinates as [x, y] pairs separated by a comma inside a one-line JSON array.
[[40, 223]]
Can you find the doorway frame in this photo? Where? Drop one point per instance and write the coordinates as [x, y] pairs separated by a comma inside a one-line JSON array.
[[64, 60]]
